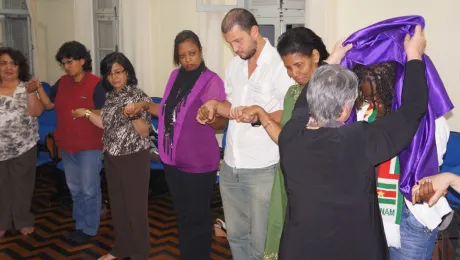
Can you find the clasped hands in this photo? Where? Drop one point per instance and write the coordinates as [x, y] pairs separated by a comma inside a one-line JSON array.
[[430, 189], [130, 110], [242, 114]]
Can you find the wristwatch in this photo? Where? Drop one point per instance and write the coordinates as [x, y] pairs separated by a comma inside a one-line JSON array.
[[88, 112], [257, 123]]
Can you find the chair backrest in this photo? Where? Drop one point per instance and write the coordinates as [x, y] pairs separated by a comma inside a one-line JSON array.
[[47, 120], [451, 163], [451, 157], [155, 100], [224, 137]]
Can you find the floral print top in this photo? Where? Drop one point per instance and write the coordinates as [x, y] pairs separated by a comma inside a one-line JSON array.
[[119, 136], [18, 129]]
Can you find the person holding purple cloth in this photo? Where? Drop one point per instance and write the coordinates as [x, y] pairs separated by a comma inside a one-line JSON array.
[[410, 230]]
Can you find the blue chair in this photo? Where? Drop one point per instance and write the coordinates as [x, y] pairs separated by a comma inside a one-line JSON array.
[[46, 124], [451, 163], [156, 166], [222, 149]]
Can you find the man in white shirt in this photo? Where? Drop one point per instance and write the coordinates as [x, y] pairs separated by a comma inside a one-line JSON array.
[[256, 76]]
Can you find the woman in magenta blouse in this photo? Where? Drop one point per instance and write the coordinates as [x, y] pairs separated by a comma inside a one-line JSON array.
[[189, 151]]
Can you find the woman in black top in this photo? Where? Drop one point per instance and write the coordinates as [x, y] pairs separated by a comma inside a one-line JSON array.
[[333, 210]]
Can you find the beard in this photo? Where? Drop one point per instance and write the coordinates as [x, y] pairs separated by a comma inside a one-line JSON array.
[[251, 52]]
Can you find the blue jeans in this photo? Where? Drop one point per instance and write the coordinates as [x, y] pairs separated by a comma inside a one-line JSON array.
[[417, 241], [82, 173], [246, 197]]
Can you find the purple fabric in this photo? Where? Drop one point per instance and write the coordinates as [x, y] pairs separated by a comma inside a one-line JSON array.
[[195, 147], [382, 42]]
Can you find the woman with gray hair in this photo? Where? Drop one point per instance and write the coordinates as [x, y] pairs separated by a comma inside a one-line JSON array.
[[333, 210]]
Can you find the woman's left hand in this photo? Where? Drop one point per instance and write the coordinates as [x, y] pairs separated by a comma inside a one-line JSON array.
[[251, 111], [338, 52], [78, 113], [430, 189], [32, 86]]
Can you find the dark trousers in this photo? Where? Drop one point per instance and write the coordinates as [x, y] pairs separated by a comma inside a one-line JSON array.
[[17, 180], [192, 194], [128, 186]]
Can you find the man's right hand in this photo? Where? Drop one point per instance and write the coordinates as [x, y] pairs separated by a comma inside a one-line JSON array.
[[207, 112]]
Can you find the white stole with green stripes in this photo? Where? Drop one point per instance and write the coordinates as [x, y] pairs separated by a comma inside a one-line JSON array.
[[389, 196]]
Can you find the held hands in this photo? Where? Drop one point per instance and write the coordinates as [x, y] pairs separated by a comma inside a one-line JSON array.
[[33, 85], [415, 45], [78, 113], [338, 52], [207, 112], [131, 110], [243, 114], [430, 189]]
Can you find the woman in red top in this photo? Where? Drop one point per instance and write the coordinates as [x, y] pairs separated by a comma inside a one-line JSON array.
[[78, 140]]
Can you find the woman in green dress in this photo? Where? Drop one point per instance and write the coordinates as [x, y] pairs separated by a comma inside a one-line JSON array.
[[302, 52]]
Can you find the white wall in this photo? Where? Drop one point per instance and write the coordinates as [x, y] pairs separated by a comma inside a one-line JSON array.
[[334, 19], [84, 28], [172, 16], [55, 26], [331, 19], [168, 18]]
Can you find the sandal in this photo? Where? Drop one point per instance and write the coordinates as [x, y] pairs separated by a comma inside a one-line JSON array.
[[219, 229], [27, 230], [107, 257]]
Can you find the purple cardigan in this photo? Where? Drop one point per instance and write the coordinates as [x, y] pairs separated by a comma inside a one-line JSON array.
[[382, 42], [195, 148]]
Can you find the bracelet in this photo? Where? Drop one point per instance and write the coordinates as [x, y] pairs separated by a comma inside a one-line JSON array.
[[132, 118], [268, 123], [88, 112]]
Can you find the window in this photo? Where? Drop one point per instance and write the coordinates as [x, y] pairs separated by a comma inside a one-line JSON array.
[[106, 32], [272, 27], [274, 16], [15, 27], [207, 6]]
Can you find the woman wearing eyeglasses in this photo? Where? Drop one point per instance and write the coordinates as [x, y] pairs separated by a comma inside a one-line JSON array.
[[79, 141], [126, 157]]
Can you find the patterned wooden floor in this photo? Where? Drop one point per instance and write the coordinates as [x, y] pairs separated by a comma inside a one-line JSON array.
[[53, 222]]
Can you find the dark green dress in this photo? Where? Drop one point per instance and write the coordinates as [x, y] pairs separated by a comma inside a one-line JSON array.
[[278, 199]]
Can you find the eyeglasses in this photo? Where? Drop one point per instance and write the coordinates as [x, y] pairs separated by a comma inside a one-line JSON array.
[[115, 73], [66, 62]]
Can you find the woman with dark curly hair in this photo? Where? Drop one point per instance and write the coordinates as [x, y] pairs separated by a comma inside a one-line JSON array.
[[19, 109], [79, 141]]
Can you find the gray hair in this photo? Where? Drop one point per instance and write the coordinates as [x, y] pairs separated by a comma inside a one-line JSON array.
[[330, 89]]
